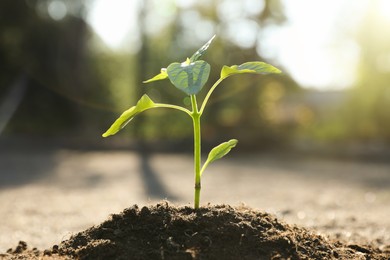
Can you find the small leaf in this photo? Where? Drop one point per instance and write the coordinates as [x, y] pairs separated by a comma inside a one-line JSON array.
[[143, 104], [189, 77], [254, 67], [201, 51], [219, 151], [163, 75]]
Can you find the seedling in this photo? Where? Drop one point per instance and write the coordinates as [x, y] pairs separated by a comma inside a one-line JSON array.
[[190, 76]]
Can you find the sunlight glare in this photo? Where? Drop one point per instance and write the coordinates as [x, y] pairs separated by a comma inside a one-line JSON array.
[[57, 10], [113, 20], [315, 45], [312, 46], [384, 10]]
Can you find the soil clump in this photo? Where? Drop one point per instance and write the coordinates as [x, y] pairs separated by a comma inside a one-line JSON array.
[[164, 231]]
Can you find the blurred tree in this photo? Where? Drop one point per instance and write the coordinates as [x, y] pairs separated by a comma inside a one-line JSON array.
[[75, 83], [364, 117], [368, 108], [30, 45], [47, 41]]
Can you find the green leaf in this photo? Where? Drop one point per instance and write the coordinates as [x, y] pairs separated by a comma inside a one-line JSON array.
[[254, 67], [188, 76], [143, 104], [194, 73], [163, 75], [201, 51], [219, 151]]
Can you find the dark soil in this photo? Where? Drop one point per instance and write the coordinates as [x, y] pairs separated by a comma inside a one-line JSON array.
[[164, 231]]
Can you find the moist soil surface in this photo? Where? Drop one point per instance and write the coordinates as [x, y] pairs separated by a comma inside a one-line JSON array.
[[164, 231]]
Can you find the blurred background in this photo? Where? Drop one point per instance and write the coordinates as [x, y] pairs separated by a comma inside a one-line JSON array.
[[69, 68]]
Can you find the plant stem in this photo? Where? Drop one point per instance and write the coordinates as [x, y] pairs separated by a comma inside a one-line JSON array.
[[173, 107], [209, 94], [197, 149]]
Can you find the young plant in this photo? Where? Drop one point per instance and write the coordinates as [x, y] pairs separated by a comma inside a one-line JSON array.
[[190, 76]]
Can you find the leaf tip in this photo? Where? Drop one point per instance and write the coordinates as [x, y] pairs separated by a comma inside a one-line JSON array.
[[278, 71]]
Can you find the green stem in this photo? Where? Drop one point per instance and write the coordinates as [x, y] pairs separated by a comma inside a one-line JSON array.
[[195, 115], [197, 149], [209, 94], [173, 107]]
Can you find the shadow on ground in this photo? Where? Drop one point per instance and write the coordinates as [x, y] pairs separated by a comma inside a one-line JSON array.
[[154, 187]]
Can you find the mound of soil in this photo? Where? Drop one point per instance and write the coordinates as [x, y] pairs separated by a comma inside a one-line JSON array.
[[164, 231]]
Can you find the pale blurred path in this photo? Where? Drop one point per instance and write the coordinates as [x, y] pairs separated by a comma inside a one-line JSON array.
[[48, 194]]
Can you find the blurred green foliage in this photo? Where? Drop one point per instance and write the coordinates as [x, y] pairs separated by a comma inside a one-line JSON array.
[[77, 86], [363, 113]]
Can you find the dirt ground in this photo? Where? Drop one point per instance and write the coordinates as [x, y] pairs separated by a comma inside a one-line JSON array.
[[48, 194]]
